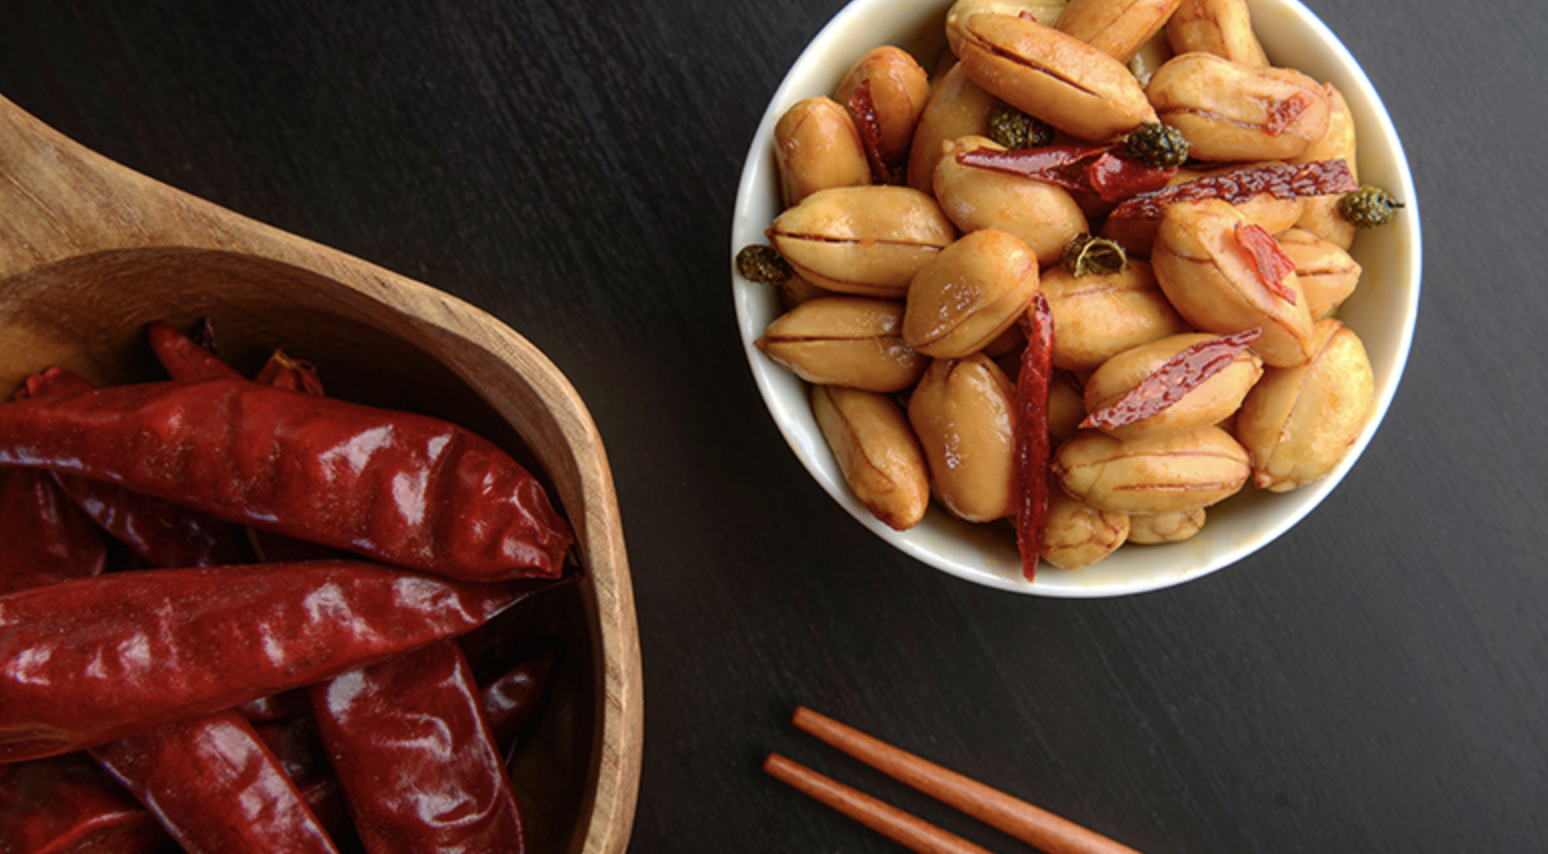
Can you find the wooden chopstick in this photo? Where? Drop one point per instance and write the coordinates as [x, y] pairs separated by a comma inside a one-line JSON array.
[[893, 823], [1030, 824]]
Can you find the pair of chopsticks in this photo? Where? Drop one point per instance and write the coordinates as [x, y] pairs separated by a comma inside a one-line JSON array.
[[1031, 824]]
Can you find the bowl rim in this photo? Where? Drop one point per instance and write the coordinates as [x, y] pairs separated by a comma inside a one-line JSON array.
[[843, 36]]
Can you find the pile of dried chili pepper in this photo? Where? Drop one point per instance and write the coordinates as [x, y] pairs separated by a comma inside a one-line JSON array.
[[162, 687]]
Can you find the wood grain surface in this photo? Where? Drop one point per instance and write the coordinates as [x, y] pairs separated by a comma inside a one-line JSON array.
[[1375, 681]]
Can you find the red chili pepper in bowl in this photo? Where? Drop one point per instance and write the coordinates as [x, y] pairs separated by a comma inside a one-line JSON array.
[[405, 489], [1034, 444], [163, 533], [416, 758], [44, 537], [183, 357], [69, 804], [215, 786], [86, 662], [1104, 169]]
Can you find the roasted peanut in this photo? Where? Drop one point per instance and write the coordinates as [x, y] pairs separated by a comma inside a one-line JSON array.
[[845, 340], [1220, 27], [862, 240], [1059, 79], [1115, 27], [1066, 407], [1099, 315], [964, 413], [1042, 215], [1235, 112], [1327, 274], [1077, 535], [1207, 403], [969, 294], [899, 89], [957, 108], [817, 147], [1299, 422], [1159, 528], [1320, 214], [1150, 56], [1213, 283], [1045, 12], [877, 452], [1154, 474]]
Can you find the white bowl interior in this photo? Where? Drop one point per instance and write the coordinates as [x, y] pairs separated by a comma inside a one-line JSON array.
[[1382, 311]]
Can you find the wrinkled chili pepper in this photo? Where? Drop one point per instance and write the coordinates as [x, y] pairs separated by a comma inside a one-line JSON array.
[[415, 757], [1169, 383], [1283, 181], [90, 661], [405, 489], [215, 786], [1104, 169], [1034, 445], [862, 108], [513, 700], [277, 707], [183, 357], [163, 533], [44, 537], [1268, 259], [69, 804], [281, 371]]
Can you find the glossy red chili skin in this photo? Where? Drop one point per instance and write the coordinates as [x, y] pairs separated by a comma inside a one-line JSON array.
[[415, 757], [404, 489], [1269, 260], [44, 537], [1101, 168], [514, 699], [1281, 180], [69, 804], [282, 371], [86, 662], [214, 785], [163, 533], [1034, 444], [1172, 381], [182, 357]]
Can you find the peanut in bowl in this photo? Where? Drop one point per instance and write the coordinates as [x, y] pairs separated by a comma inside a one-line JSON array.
[[1381, 311]]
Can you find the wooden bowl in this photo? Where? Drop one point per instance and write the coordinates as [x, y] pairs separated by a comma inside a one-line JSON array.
[[90, 252]]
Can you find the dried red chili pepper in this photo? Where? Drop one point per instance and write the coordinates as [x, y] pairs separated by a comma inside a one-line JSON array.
[[1034, 445], [183, 357], [1283, 181], [405, 489], [44, 537], [415, 757], [1169, 383], [862, 108], [163, 533], [277, 707], [281, 371], [1283, 113], [91, 661], [1104, 169], [513, 700], [1268, 259], [215, 786], [69, 804]]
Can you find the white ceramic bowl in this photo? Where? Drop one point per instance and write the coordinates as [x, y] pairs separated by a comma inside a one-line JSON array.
[[1382, 311]]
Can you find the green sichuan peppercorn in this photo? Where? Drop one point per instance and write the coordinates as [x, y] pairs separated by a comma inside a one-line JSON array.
[[759, 263], [1086, 253], [1157, 145], [1014, 129], [1368, 207]]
